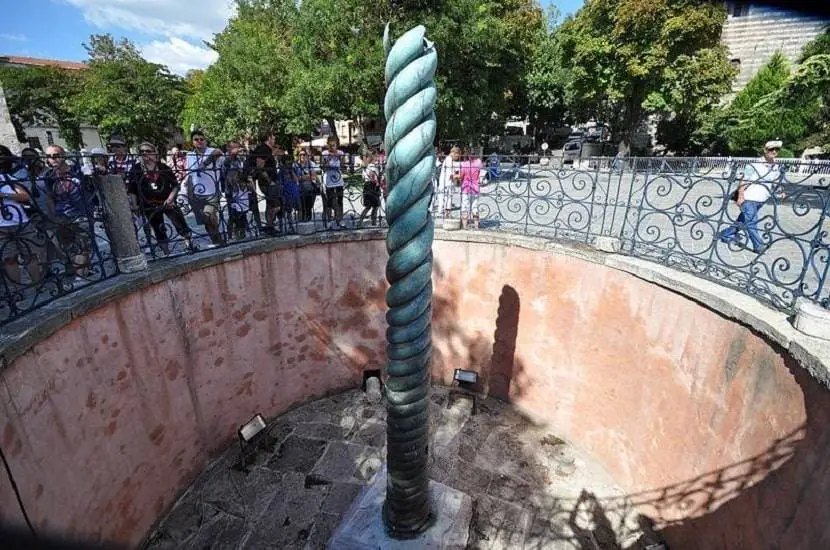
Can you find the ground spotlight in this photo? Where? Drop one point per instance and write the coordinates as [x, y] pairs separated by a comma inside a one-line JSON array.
[[252, 435], [463, 382]]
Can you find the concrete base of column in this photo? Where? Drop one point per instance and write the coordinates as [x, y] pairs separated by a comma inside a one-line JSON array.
[[363, 529], [132, 264]]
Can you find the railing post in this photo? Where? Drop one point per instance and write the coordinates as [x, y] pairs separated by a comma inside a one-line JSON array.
[[118, 220]]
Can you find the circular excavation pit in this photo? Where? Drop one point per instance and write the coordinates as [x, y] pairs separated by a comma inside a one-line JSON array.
[[628, 403]]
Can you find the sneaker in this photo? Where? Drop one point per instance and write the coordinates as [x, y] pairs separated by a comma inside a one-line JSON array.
[[761, 249]]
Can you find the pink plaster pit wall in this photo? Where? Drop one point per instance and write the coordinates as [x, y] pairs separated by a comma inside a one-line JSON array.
[[719, 437], [105, 421]]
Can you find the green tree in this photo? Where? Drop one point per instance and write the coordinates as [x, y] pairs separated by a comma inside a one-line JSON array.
[[818, 46], [43, 95], [288, 65], [122, 92], [337, 66], [691, 90], [546, 80], [803, 103], [754, 116], [625, 57], [242, 93]]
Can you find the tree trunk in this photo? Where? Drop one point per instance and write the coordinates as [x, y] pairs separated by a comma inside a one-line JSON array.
[[332, 127]]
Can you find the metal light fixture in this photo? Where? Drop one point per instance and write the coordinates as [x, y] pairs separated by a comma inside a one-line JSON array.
[[250, 430], [465, 376], [252, 435], [463, 382]]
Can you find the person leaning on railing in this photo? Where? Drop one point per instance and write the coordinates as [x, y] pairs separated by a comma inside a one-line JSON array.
[[305, 173], [265, 176], [332, 159], [121, 162], [449, 176], [237, 191], [290, 189], [70, 206], [19, 238], [756, 186], [152, 187], [203, 166], [371, 189]]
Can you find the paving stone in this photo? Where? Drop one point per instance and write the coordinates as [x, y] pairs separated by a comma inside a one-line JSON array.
[[316, 430], [238, 493], [440, 466], [288, 519], [224, 531], [297, 454], [293, 498], [348, 462], [279, 432], [321, 531], [188, 517], [499, 525], [509, 489], [468, 478], [340, 497], [371, 434]]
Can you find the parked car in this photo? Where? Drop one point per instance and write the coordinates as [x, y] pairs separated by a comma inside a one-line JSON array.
[[571, 152]]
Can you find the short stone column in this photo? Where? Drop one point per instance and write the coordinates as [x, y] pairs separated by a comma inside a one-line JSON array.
[[118, 219], [812, 319], [606, 243]]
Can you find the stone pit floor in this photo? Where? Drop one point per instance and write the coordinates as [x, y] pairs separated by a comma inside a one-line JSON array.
[[531, 490]]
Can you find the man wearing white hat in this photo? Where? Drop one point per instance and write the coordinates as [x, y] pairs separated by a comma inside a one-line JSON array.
[[756, 184]]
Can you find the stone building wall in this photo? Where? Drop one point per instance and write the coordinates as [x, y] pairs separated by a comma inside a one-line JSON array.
[[754, 33], [8, 136]]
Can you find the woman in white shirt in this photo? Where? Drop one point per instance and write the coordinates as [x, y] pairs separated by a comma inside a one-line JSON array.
[[18, 238], [449, 176]]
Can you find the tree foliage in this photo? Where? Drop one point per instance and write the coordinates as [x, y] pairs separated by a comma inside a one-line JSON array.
[[241, 93], [43, 96], [631, 58], [288, 65], [546, 79], [124, 93], [754, 117]]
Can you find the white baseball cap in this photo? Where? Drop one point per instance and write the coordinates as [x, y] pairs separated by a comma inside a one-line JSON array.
[[774, 144]]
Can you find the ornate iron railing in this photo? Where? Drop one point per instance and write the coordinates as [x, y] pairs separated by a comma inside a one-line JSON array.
[[53, 237], [667, 212], [673, 214]]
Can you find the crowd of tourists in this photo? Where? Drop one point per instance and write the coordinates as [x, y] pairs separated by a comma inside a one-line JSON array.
[[51, 202]]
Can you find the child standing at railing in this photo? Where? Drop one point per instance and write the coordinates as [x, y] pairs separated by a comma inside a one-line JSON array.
[[371, 190], [470, 191]]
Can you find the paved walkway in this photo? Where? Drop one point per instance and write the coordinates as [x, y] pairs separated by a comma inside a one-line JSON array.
[[531, 490]]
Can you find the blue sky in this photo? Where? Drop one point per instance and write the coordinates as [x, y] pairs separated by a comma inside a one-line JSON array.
[[167, 31]]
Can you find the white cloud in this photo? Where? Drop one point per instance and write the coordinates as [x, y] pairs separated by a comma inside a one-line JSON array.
[[179, 55], [14, 37], [170, 18]]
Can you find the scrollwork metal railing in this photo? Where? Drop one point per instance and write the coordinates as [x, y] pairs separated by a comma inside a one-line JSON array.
[[54, 237]]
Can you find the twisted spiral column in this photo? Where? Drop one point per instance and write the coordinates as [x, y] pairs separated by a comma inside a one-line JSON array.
[[410, 134]]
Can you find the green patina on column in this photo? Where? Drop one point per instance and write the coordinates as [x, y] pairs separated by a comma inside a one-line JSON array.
[[410, 133]]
